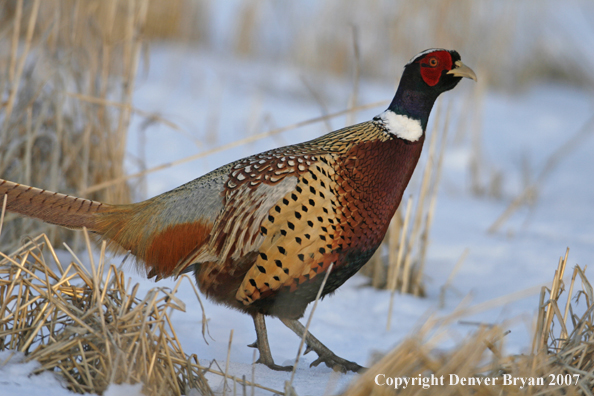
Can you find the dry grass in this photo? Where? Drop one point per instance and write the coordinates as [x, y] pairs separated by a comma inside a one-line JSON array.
[[93, 328], [563, 345], [90, 329], [63, 66]]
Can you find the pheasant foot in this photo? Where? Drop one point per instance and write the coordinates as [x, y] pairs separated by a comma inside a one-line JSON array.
[[325, 355]]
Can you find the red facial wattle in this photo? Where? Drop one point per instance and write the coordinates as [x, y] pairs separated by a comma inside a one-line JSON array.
[[433, 64]]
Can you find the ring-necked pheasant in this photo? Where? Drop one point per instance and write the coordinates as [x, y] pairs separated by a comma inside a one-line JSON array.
[[260, 232]]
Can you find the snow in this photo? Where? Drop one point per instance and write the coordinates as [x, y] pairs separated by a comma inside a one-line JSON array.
[[216, 100], [123, 390], [16, 379]]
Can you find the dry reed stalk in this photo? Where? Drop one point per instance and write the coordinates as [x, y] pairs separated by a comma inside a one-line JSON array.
[[446, 285], [398, 231], [413, 240], [247, 21], [236, 379], [570, 348], [395, 265], [227, 363], [4, 200], [433, 189], [567, 305], [478, 186], [376, 269], [354, 98], [17, 67], [555, 293]]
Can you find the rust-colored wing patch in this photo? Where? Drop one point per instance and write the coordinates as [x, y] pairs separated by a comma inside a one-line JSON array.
[[171, 245]]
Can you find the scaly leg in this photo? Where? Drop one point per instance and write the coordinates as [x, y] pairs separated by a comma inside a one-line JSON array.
[[325, 354], [263, 346]]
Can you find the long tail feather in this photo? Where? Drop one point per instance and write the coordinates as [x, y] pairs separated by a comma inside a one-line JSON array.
[[51, 207]]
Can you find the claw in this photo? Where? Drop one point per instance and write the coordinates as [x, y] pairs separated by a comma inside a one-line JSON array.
[[253, 344], [325, 355], [338, 364], [316, 362]]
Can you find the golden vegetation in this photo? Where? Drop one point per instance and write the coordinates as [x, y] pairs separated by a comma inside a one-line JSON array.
[[562, 354], [92, 329], [92, 326]]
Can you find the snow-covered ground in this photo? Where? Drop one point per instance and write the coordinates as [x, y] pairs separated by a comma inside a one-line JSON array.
[[215, 100]]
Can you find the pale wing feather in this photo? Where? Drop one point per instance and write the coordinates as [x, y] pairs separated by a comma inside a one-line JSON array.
[[236, 231]]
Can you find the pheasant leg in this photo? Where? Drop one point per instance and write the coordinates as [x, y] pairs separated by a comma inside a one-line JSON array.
[[325, 355], [263, 346]]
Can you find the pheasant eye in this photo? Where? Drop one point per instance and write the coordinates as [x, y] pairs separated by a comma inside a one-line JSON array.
[[433, 62]]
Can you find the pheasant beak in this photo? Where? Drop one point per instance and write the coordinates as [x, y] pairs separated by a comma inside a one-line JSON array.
[[461, 70]]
